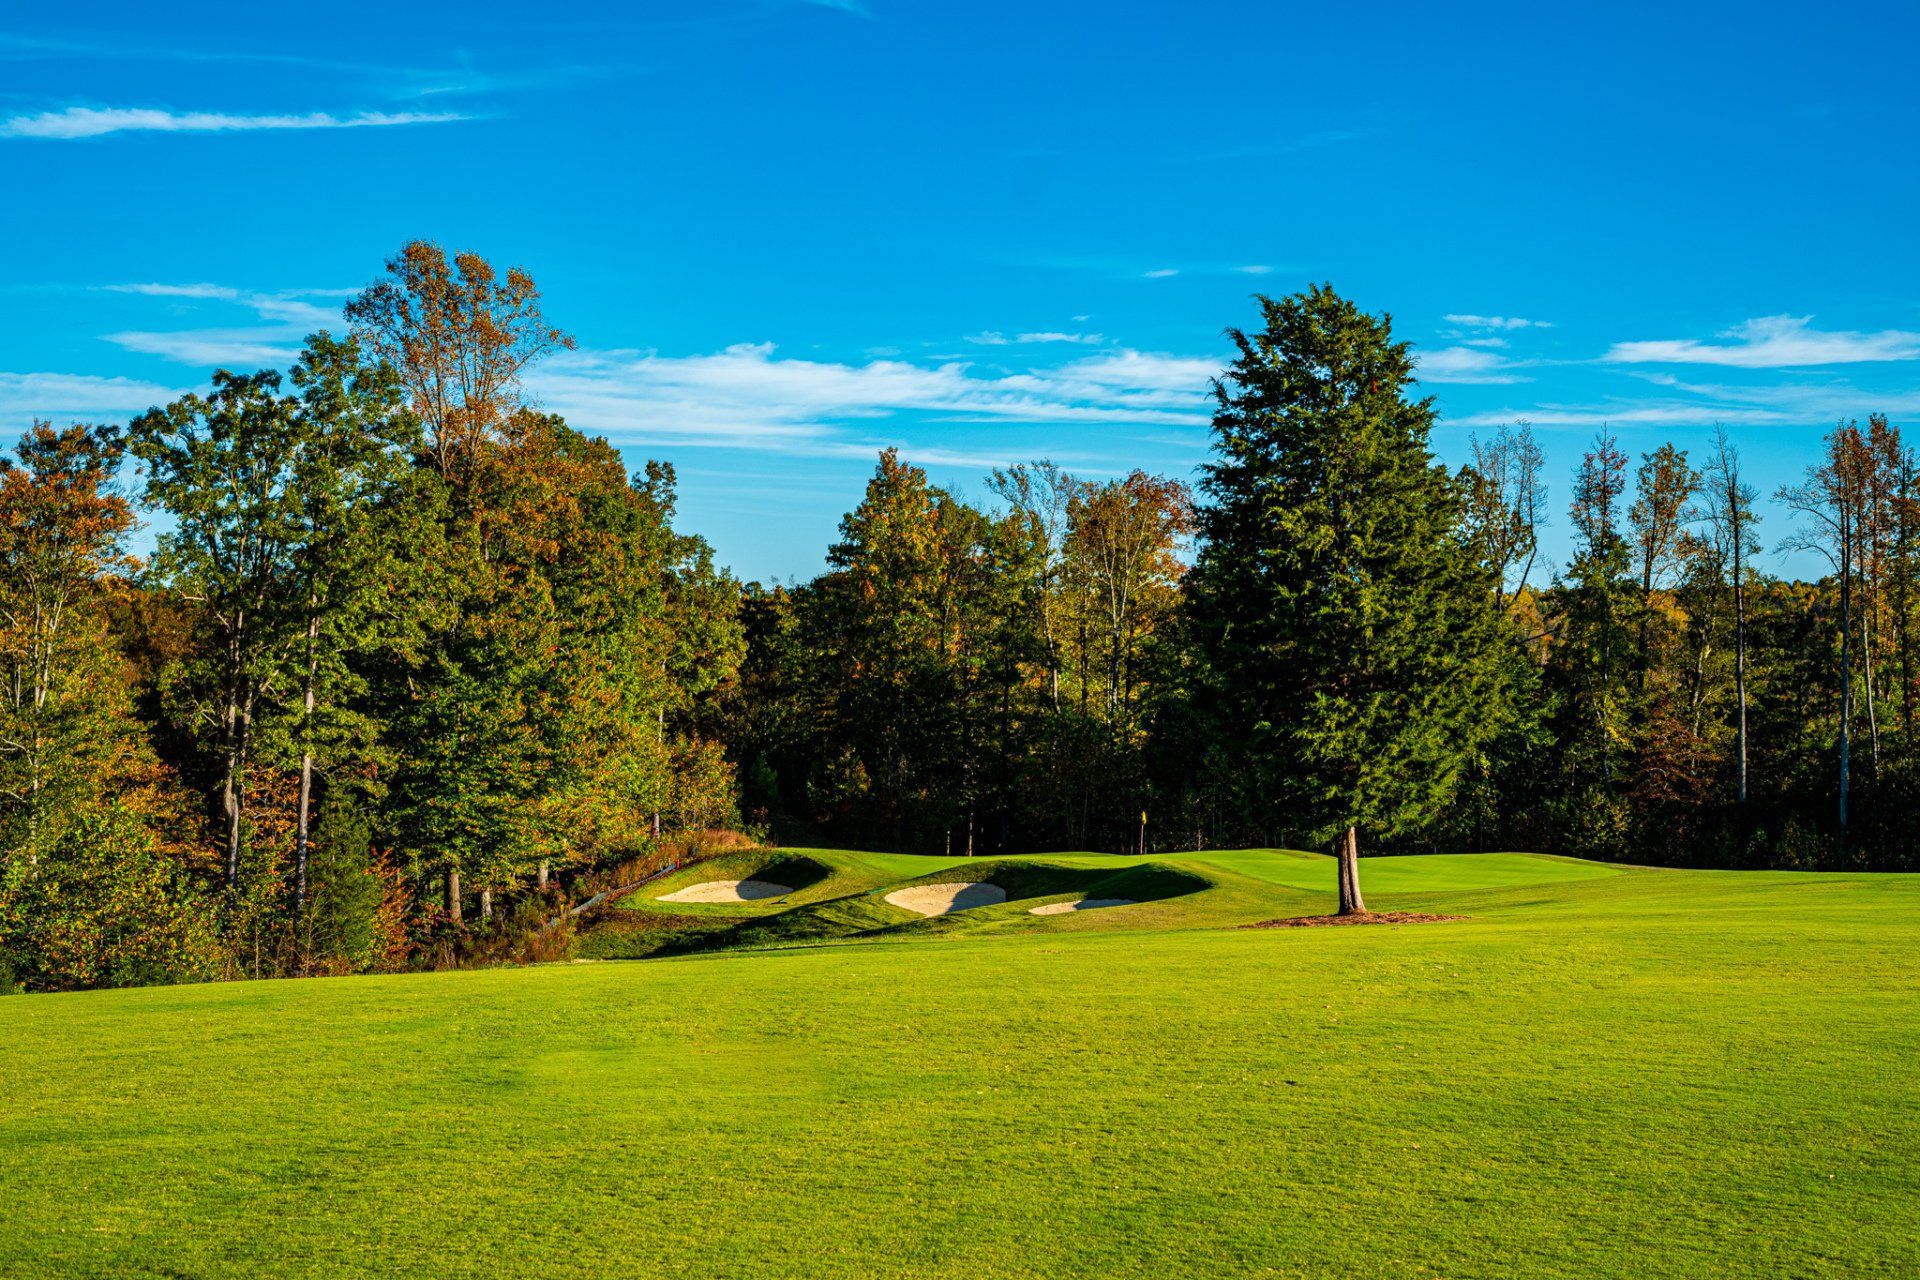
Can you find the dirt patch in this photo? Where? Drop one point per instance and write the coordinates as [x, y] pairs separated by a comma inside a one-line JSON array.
[[1364, 917], [727, 891], [1084, 904], [945, 899]]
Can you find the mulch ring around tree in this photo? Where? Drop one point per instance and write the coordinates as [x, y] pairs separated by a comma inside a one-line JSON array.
[[1358, 917]]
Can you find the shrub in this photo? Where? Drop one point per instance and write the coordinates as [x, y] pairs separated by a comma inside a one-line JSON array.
[[346, 890], [104, 909]]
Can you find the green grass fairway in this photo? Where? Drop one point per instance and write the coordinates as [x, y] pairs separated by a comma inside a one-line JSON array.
[[1602, 1072]]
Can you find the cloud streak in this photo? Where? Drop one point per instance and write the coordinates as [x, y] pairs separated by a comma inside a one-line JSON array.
[[1629, 414], [24, 396], [289, 315], [1688, 404], [94, 122], [1773, 342], [1467, 321], [994, 338], [746, 396], [1466, 365], [222, 348]]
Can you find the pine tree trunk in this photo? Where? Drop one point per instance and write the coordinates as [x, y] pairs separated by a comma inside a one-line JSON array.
[[1902, 606], [1351, 903], [453, 895], [1646, 620], [1846, 667], [234, 747], [1740, 656], [230, 789], [486, 904], [304, 831], [1870, 590]]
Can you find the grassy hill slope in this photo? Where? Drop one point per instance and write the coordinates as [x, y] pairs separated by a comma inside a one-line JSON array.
[[1603, 1071]]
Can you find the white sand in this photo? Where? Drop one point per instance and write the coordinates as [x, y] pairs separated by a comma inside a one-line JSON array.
[[943, 899], [727, 891], [1084, 904]]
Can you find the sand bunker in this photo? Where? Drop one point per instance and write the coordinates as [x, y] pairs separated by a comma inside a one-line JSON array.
[[1084, 904], [944, 899], [728, 891]]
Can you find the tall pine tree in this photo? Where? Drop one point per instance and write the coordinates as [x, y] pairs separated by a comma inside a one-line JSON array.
[[1342, 614]]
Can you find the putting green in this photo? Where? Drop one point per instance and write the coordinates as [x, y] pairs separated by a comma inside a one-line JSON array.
[[1600, 1072]]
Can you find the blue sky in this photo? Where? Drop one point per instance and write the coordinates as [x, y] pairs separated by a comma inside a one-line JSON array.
[[787, 234]]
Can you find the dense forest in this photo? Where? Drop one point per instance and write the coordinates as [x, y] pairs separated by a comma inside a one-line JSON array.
[[413, 665]]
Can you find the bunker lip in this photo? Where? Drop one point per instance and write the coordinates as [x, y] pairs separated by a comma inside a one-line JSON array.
[[1361, 917], [1080, 904], [945, 899], [727, 891]]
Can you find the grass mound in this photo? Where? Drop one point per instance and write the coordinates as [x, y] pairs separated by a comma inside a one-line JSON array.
[[728, 891], [641, 925], [796, 872], [843, 898], [867, 915]]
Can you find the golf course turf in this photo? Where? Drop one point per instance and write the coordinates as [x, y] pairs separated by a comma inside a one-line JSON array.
[[1599, 1071]]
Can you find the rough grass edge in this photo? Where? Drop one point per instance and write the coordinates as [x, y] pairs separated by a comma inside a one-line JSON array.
[[1356, 917]]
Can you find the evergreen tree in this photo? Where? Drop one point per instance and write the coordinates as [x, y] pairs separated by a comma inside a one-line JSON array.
[[1591, 659], [1342, 613]]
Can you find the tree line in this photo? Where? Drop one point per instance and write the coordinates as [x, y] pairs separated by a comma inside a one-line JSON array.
[[412, 659], [406, 651], [1123, 665]]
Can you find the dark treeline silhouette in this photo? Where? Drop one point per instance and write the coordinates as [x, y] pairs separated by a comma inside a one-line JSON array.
[[414, 664]]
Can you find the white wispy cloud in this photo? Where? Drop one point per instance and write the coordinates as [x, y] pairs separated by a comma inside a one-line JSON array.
[[288, 306], [1254, 269], [24, 396], [746, 396], [750, 395], [1773, 342], [1467, 365], [994, 338], [94, 122], [1629, 414], [224, 348], [1695, 404], [1468, 321], [1161, 273], [288, 316]]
